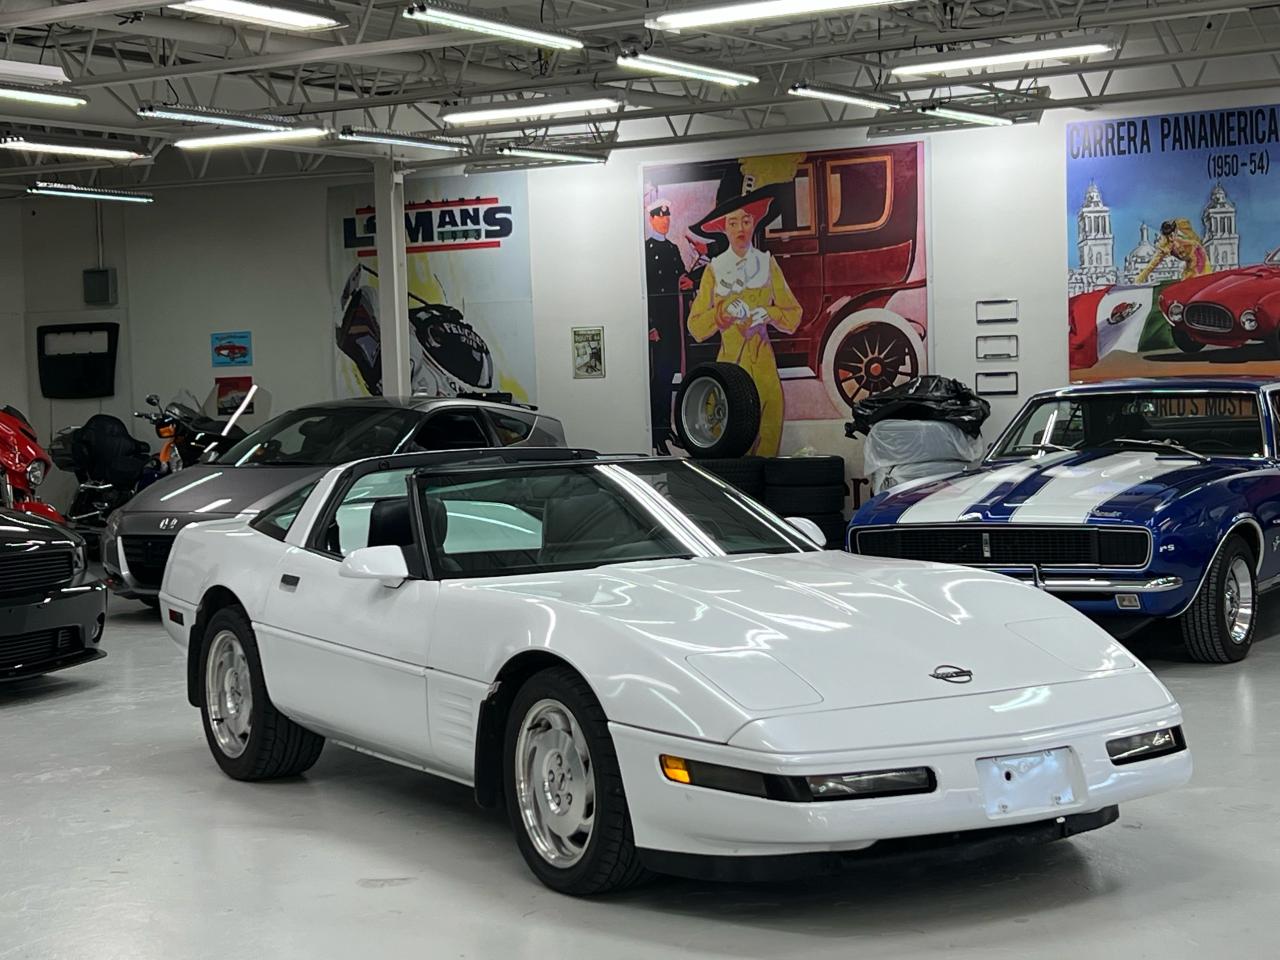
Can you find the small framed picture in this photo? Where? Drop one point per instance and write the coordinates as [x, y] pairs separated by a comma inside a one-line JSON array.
[[588, 353]]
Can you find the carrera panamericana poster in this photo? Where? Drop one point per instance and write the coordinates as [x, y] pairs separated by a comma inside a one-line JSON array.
[[470, 292], [805, 269], [1174, 224]]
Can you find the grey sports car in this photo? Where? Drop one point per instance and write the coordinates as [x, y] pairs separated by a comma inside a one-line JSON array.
[[292, 451]]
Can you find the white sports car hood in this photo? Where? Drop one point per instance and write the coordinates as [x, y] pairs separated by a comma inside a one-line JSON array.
[[818, 631]]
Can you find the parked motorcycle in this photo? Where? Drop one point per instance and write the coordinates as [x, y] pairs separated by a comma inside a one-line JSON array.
[[23, 466], [110, 466], [188, 434]]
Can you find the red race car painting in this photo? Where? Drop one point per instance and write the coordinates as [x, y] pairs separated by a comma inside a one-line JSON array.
[[1227, 309]]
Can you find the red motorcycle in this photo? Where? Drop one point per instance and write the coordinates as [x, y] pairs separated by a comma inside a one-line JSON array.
[[23, 467]]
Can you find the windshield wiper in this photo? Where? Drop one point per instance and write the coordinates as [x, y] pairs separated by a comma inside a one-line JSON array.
[[1164, 445]]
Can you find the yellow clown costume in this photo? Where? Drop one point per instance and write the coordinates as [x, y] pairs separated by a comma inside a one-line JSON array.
[[741, 297]]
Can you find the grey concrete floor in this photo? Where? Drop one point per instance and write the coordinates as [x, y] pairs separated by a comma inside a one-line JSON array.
[[119, 838]]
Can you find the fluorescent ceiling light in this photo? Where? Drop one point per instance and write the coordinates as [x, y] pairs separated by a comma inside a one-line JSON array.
[[754, 10], [999, 56], [393, 139], [276, 15], [250, 139], [449, 16], [535, 153], [47, 189], [870, 100], [221, 118], [528, 110], [965, 116], [23, 145], [37, 74], [47, 95], [679, 68]]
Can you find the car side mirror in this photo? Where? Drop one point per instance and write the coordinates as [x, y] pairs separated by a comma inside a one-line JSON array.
[[384, 564], [811, 530]]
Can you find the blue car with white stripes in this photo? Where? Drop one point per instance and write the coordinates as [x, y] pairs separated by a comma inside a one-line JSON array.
[[1130, 499]]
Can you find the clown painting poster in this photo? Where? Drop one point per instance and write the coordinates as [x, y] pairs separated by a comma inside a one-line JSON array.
[[805, 269], [1174, 225], [470, 291]]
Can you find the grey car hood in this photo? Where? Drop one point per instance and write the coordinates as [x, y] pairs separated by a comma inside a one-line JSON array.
[[215, 489]]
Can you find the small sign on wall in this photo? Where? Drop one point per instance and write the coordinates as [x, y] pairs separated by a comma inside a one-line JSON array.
[[233, 349], [588, 353], [232, 392]]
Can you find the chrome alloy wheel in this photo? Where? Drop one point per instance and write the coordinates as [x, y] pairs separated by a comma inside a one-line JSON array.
[[555, 784], [228, 695], [1237, 600], [704, 411]]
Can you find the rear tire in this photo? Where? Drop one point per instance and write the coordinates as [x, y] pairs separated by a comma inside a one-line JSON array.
[[249, 738], [803, 471], [805, 501], [1219, 625], [557, 729]]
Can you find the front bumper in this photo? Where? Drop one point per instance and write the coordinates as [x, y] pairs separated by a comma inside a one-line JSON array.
[[52, 630], [682, 819]]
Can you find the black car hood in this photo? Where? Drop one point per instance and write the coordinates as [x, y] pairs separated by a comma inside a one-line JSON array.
[[215, 489], [21, 528]]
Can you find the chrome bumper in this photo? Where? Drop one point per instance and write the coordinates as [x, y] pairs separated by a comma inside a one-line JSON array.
[[1032, 576]]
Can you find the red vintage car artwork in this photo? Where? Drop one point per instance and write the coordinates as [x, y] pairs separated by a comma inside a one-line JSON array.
[[1227, 309], [231, 351]]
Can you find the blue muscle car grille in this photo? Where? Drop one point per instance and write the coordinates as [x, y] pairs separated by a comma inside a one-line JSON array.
[[1209, 316], [1008, 545]]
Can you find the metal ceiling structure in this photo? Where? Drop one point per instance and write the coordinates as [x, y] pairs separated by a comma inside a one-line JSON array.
[[385, 71]]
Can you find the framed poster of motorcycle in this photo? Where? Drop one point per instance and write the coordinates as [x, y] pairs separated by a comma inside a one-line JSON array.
[[1174, 256], [588, 353], [470, 289], [805, 270]]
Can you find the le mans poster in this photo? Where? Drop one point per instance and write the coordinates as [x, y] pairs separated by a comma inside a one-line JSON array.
[[1174, 230]]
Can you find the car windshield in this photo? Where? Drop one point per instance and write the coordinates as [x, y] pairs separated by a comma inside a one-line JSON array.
[[319, 436], [1206, 424], [537, 518]]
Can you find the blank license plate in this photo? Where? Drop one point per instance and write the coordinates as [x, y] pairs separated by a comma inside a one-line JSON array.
[[1027, 783]]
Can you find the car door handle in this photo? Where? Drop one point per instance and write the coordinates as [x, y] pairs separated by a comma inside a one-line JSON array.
[[289, 580]]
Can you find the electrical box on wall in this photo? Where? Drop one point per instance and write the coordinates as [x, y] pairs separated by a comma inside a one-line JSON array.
[[100, 287]]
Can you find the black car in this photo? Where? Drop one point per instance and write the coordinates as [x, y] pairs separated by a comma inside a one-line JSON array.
[[52, 610], [293, 450]]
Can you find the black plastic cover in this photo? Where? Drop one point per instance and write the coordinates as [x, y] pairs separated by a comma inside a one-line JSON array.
[[929, 397]]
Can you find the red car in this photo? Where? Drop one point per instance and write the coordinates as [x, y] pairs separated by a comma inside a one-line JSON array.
[[231, 351], [1226, 309]]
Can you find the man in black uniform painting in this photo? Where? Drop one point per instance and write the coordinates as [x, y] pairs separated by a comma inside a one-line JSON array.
[[666, 280]]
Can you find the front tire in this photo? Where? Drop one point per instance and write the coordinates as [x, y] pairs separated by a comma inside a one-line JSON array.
[[1182, 340], [1219, 625], [248, 737], [563, 788]]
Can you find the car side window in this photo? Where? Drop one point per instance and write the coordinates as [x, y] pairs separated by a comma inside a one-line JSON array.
[[374, 512], [511, 427], [276, 520], [458, 428]]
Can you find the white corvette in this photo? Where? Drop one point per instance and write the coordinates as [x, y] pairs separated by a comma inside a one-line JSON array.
[[654, 673]]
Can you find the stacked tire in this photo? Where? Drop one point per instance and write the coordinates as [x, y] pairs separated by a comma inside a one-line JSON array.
[[811, 487]]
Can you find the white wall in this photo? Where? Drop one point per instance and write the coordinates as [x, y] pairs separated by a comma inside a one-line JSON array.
[[13, 366]]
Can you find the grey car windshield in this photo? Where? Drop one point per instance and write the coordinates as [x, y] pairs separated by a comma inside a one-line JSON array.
[[323, 435], [495, 522], [1224, 424]]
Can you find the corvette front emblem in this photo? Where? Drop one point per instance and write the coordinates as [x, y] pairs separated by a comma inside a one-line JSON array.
[[169, 523], [952, 674]]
